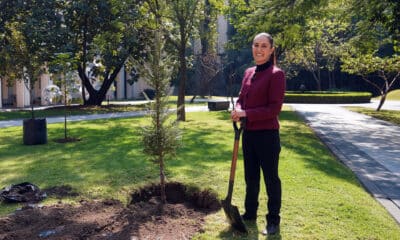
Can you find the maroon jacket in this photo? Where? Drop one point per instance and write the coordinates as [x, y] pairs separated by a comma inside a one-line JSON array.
[[262, 97]]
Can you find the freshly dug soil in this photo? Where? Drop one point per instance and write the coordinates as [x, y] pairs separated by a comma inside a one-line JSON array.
[[144, 218]]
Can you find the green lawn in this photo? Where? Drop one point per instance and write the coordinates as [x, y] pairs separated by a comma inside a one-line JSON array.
[[386, 115], [392, 95], [321, 198], [392, 116]]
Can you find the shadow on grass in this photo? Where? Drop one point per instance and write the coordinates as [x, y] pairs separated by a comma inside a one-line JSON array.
[[105, 153], [254, 233], [110, 152], [301, 140]]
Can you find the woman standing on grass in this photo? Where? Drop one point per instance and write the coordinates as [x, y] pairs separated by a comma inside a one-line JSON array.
[[260, 102]]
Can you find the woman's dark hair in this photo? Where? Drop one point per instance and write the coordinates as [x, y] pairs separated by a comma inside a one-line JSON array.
[[271, 42]]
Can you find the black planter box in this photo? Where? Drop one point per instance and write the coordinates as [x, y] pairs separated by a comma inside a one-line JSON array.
[[35, 131], [217, 105]]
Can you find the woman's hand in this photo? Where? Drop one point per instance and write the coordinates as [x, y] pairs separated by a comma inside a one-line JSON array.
[[237, 114]]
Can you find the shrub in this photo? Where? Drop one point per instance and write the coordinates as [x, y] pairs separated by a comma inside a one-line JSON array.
[[327, 97]]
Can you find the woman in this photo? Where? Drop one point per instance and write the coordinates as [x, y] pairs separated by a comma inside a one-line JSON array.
[[260, 102]]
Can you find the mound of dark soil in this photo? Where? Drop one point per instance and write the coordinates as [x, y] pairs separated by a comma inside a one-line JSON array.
[[144, 218]]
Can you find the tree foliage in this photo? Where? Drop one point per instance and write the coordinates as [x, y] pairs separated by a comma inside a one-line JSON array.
[[376, 18], [375, 29], [368, 66], [102, 34], [162, 137], [287, 21], [183, 15], [32, 33], [316, 35], [207, 63], [319, 48]]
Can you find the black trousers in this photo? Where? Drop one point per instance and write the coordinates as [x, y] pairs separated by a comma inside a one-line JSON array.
[[261, 150]]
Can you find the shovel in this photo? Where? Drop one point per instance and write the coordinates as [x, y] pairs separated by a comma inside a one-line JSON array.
[[231, 211]]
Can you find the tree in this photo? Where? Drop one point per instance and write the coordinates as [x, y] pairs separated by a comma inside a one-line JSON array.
[[162, 137], [283, 19], [208, 67], [7, 33], [375, 14], [32, 34], [374, 48], [287, 22], [387, 69], [102, 34], [319, 48], [183, 16], [63, 68], [207, 62]]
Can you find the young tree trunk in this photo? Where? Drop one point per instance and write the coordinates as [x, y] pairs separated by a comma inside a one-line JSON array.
[[193, 98], [65, 110], [381, 101], [162, 182], [384, 93]]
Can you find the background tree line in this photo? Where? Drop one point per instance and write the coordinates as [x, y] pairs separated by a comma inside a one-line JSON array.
[[100, 37], [325, 44], [321, 44]]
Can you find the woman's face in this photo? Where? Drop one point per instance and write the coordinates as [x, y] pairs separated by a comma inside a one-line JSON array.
[[262, 50]]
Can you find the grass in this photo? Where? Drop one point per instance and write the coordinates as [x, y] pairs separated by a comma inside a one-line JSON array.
[[392, 116], [392, 95], [321, 198]]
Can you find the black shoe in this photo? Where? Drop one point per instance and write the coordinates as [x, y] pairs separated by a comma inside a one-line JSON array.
[[248, 217], [271, 229]]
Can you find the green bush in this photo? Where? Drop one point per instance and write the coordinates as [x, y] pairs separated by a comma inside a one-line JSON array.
[[327, 97]]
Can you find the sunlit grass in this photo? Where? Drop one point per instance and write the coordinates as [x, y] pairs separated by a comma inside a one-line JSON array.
[[392, 116], [321, 198], [392, 95]]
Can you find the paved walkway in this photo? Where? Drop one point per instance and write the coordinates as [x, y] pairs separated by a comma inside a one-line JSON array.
[[369, 147], [15, 123]]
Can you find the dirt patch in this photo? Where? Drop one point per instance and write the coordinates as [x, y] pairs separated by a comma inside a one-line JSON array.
[[60, 191], [144, 218]]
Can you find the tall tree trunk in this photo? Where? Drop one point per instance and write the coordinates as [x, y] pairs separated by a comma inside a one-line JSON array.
[[181, 115], [82, 68], [317, 80], [96, 97], [205, 28], [332, 79]]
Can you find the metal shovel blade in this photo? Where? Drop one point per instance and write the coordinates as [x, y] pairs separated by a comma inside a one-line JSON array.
[[233, 216]]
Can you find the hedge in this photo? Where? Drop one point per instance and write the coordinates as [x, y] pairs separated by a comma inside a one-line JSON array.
[[327, 97]]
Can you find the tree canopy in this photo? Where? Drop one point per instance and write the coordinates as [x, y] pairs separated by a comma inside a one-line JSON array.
[[317, 35]]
